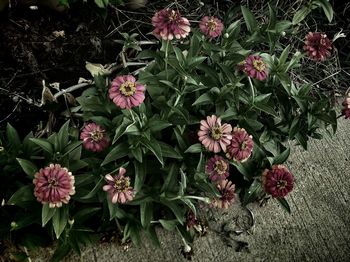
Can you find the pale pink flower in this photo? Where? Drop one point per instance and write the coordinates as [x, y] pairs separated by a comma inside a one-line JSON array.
[[213, 135], [217, 168], [53, 185], [169, 23], [241, 146], [317, 46], [211, 26], [227, 190], [278, 181], [126, 92], [118, 187], [94, 137], [255, 67]]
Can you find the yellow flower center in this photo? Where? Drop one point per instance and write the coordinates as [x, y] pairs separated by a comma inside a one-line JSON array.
[[281, 184], [96, 135], [122, 184], [216, 132], [173, 15], [211, 24], [53, 182], [128, 88], [259, 65], [220, 167], [243, 145]]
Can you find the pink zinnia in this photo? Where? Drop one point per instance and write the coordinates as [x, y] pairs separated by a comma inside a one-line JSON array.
[[278, 181], [227, 190], [255, 67], [213, 135], [317, 46], [126, 92], [346, 107], [53, 185], [217, 168], [119, 188], [241, 146], [169, 23], [94, 137], [211, 26]]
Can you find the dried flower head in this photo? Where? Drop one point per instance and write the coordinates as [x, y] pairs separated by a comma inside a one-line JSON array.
[[241, 146], [169, 23], [118, 187], [213, 135], [217, 168], [227, 190], [53, 185], [278, 181], [317, 46], [255, 67], [211, 26], [126, 92], [94, 137]]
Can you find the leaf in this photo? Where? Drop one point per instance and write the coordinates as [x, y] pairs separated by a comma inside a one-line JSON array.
[[46, 214], [82, 215], [283, 57], [62, 137], [294, 127], [140, 176], [204, 99], [169, 224], [146, 213], [61, 252], [119, 151], [59, 220], [152, 235], [122, 128], [283, 202], [327, 9], [115, 211], [195, 148], [28, 167], [101, 3], [249, 19], [154, 147], [45, 145], [281, 158], [12, 136], [300, 15], [302, 139], [265, 108], [93, 192], [157, 124], [189, 203], [175, 208], [253, 192], [23, 194], [169, 151]]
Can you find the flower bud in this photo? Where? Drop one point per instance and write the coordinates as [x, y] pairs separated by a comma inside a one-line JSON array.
[[226, 35]]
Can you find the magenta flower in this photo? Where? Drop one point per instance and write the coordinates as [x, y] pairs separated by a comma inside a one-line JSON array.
[[211, 26], [346, 108], [53, 185], [217, 168], [317, 46], [241, 146], [278, 181], [126, 92], [169, 23], [255, 67], [118, 187], [213, 135], [94, 137], [227, 190], [191, 220]]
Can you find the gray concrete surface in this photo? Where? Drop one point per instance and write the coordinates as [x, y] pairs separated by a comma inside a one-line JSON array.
[[317, 230]]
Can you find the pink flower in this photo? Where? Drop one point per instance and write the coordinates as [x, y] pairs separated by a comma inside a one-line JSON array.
[[227, 190], [317, 46], [53, 185], [255, 67], [241, 146], [346, 106], [213, 135], [94, 137], [217, 168], [126, 92], [211, 26], [118, 187], [278, 181], [169, 23]]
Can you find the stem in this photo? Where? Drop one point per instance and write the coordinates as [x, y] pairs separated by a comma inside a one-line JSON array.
[[251, 88], [166, 58], [71, 89], [132, 115]]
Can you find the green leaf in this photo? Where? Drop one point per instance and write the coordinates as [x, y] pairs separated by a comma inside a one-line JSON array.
[[146, 213], [283, 202], [327, 9], [169, 151], [154, 147], [122, 128], [281, 158], [59, 220], [28, 167], [294, 127], [157, 124], [152, 235], [119, 151], [45, 145], [195, 148], [63, 137], [169, 224], [189, 203], [300, 15], [101, 3], [175, 208], [249, 19], [115, 210], [253, 192], [265, 108], [302, 139], [12, 136], [93, 192], [140, 176], [61, 252], [204, 99], [46, 214], [171, 178], [283, 57], [137, 153], [82, 215], [23, 194]]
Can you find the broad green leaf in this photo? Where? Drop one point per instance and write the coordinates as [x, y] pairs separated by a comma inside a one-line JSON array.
[[119, 151], [249, 19], [28, 167], [280, 159], [154, 147], [71, 147], [61, 252], [157, 124], [204, 99], [146, 213], [115, 211], [169, 151], [12, 136], [59, 220], [140, 176], [47, 213], [124, 126], [283, 202], [169, 224], [152, 235], [45, 145], [175, 208], [253, 192], [300, 15], [83, 214], [327, 9], [195, 148], [23, 194], [94, 191], [62, 137]]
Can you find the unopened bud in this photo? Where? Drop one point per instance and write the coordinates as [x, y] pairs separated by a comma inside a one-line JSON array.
[[226, 35], [283, 33], [297, 53], [71, 222], [13, 224]]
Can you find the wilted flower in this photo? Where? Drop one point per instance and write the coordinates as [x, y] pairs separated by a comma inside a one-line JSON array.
[[213, 135], [317, 46], [227, 190], [278, 181], [191, 219], [346, 107], [118, 187], [94, 137], [217, 168], [126, 92], [255, 67], [241, 146], [169, 23], [53, 185], [211, 26]]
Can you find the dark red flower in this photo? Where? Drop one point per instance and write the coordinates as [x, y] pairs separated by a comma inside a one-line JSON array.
[[241, 145], [317, 46], [217, 168], [227, 190], [278, 181], [346, 107], [94, 137]]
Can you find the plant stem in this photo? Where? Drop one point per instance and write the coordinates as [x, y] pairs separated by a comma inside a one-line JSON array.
[[251, 88]]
